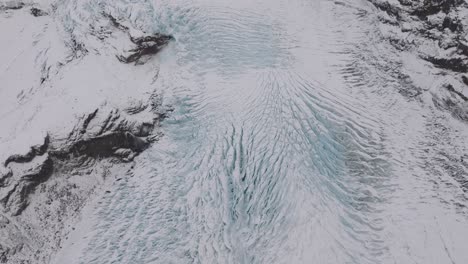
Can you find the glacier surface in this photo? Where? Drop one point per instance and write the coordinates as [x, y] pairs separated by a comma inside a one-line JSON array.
[[305, 131]]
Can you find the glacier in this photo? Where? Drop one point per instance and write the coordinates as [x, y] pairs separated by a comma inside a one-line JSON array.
[[305, 131]]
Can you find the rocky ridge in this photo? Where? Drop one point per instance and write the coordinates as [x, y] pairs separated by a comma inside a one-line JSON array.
[[72, 122], [51, 182], [437, 32]]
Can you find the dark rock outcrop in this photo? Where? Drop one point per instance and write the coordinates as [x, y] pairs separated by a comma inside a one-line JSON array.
[[438, 21], [426, 8], [88, 120], [33, 152], [16, 198], [465, 79], [145, 46], [38, 12], [11, 5], [454, 64], [53, 181], [43, 188], [99, 135], [5, 177], [436, 31], [387, 7], [104, 146], [450, 88], [115, 22], [452, 24]]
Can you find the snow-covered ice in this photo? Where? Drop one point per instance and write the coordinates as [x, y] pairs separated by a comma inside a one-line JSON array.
[[263, 132]]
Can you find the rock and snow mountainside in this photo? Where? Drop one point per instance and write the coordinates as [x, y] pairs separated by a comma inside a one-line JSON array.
[[437, 32], [78, 103]]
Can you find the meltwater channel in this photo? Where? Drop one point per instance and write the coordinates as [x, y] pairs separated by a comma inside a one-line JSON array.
[[284, 146]]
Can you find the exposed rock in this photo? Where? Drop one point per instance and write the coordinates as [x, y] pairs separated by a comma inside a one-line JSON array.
[[387, 7], [106, 145], [454, 64], [77, 49], [136, 107], [14, 198], [37, 12], [465, 79], [452, 24], [452, 89], [3, 255], [454, 102], [458, 111], [33, 152], [11, 5], [87, 120], [5, 177], [462, 48], [115, 22], [43, 182], [44, 188], [434, 17], [436, 31], [145, 46], [431, 7]]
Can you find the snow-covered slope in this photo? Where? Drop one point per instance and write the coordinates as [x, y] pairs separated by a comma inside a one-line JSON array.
[[435, 33], [78, 102]]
